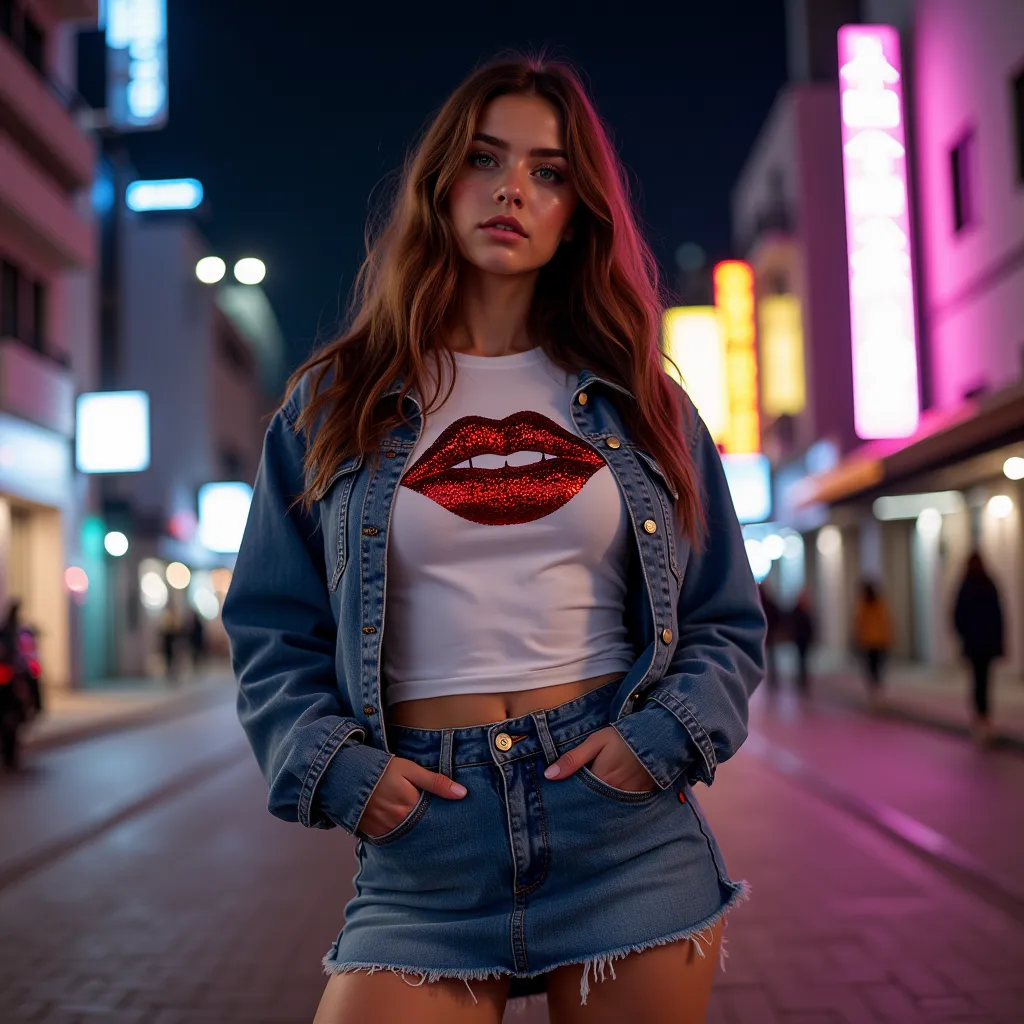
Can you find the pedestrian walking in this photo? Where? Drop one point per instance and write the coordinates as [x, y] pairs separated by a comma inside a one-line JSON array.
[[196, 640], [773, 624], [872, 630], [170, 631], [801, 632], [978, 619], [492, 460]]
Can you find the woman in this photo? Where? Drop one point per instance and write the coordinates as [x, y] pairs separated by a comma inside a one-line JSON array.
[[978, 618], [573, 631], [872, 628]]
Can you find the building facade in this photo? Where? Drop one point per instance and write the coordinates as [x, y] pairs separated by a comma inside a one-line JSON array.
[[48, 255], [903, 510], [208, 358]]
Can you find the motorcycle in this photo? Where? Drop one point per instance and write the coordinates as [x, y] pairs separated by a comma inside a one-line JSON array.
[[20, 689]]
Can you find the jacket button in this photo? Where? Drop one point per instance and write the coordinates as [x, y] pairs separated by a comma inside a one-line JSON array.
[[369, 709], [389, 455], [370, 531], [650, 526], [613, 442], [583, 398], [369, 629], [503, 741], [666, 636]]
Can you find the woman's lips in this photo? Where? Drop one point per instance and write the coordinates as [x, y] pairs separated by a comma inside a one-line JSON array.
[[510, 494]]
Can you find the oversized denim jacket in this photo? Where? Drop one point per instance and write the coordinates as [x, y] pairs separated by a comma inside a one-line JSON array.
[[305, 615]]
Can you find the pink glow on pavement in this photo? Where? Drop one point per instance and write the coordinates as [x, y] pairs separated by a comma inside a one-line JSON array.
[[882, 325]]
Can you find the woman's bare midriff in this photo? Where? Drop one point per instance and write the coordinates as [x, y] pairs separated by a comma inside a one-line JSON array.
[[459, 711]]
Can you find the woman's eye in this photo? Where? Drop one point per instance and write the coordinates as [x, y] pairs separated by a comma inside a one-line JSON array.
[[549, 174], [481, 159]]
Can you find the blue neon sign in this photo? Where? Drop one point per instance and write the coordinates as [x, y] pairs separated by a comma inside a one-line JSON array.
[[136, 32], [167, 194]]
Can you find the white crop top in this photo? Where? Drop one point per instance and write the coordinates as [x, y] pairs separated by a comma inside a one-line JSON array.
[[507, 549]]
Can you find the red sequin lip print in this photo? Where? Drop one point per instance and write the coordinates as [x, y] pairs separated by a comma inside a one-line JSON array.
[[504, 495]]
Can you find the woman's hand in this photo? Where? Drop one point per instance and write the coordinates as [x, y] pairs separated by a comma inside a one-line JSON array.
[[608, 756], [396, 794]]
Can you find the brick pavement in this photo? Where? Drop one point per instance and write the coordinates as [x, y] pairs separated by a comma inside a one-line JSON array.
[[205, 909]]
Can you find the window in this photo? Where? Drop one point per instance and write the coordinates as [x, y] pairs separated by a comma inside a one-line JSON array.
[[1018, 117], [39, 315], [10, 285], [961, 176], [33, 42]]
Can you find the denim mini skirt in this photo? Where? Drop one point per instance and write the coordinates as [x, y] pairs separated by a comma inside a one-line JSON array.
[[523, 874]]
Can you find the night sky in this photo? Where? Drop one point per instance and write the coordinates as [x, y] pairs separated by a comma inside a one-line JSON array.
[[291, 115]]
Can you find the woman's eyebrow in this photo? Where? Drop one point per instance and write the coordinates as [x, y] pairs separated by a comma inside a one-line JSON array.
[[493, 140]]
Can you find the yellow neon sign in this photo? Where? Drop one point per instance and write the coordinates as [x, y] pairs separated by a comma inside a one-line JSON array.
[[693, 338], [734, 300], [783, 388]]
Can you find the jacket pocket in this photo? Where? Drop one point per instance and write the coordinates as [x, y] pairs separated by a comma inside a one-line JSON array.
[[334, 512]]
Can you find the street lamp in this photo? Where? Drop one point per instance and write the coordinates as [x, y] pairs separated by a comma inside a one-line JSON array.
[[210, 269]]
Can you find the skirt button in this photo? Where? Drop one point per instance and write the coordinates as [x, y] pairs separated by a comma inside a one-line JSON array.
[[503, 741]]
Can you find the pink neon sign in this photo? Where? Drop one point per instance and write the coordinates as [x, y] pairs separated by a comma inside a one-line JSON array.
[[882, 325]]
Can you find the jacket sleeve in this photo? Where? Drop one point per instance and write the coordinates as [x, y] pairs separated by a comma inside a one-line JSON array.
[[696, 716], [283, 637]]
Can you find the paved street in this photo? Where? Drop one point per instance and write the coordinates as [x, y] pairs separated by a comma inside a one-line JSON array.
[[141, 879]]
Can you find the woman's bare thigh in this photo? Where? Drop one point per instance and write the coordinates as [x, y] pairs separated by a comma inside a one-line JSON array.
[[668, 984], [387, 998]]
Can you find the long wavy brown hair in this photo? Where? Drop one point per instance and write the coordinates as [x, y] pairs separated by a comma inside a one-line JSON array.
[[596, 303]]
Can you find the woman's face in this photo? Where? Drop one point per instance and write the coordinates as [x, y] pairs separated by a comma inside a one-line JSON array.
[[516, 169]]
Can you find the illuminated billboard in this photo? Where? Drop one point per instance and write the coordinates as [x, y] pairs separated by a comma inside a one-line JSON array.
[[781, 344], [112, 432], [750, 484], [223, 511], [882, 325], [693, 338], [136, 36], [734, 300]]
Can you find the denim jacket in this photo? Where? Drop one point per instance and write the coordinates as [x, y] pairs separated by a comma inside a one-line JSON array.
[[305, 614]]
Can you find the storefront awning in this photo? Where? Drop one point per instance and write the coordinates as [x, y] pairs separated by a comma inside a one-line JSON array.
[[943, 437]]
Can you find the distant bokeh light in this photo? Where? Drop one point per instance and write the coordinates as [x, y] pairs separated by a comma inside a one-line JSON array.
[[1000, 506], [116, 543], [211, 269], [1013, 468], [76, 580], [178, 575], [153, 590], [250, 270]]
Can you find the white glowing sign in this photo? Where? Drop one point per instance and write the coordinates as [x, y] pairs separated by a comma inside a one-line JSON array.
[[112, 432], [749, 477], [136, 32], [223, 511], [882, 325]]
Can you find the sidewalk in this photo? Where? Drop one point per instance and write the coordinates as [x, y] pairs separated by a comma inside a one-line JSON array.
[[107, 706], [924, 694]]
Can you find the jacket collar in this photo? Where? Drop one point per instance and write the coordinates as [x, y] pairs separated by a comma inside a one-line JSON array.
[[587, 378]]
